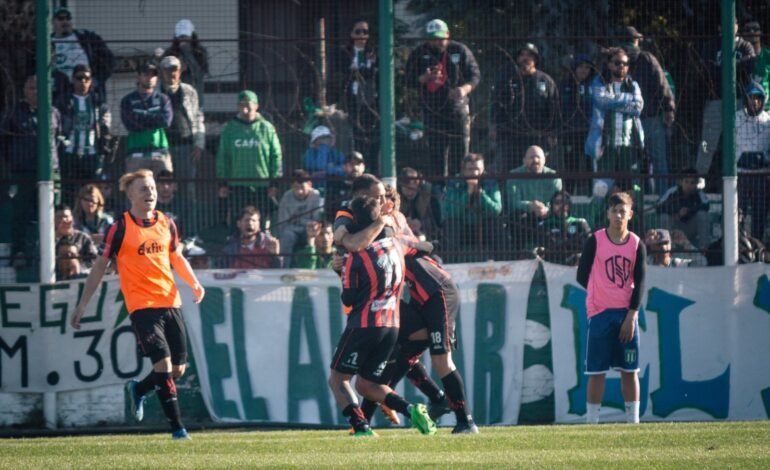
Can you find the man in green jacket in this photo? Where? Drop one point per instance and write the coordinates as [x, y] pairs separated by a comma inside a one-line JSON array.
[[249, 148]]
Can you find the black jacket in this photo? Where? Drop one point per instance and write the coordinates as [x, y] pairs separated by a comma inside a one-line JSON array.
[[712, 57], [527, 104], [648, 73]]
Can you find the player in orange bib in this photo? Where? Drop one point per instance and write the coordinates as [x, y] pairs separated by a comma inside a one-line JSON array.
[[145, 246]]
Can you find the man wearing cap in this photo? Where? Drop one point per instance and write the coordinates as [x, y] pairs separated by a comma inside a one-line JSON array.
[[249, 148], [444, 72], [341, 190], [525, 109], [322, 158], [659, 253], [575, 96], [146, 114], [659, 106], [188, 49], [187, 133], [81, 46], [86, 126]]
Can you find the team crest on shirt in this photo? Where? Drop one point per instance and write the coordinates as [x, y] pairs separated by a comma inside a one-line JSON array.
[[618, 270], [151, 247]]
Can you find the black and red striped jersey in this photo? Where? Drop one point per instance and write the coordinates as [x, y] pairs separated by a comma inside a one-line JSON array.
[[425, 277], [372, 284]]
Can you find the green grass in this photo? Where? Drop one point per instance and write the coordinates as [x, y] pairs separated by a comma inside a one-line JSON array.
[[661, 445]]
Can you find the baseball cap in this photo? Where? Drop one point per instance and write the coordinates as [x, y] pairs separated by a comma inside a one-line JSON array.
[[184, 28], [631, 32], [62, 10], [354, 157], [664, 236], [147, 68], [436, 29], [320, 131], [170, 61], [529, 47], [248, 95]]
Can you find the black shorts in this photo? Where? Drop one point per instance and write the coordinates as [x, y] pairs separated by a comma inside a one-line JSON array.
[[439, 314], [410, 321], [365, 352], [160, 333]]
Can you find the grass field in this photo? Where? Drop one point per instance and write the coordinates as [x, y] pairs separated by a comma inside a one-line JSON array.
[[660, 445]]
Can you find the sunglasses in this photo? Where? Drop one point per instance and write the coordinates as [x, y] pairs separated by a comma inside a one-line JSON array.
[[83, 78], [361, 31], [620, 63]]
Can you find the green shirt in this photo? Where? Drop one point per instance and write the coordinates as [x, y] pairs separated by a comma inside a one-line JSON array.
[[249, 150], [458, 205], [762, 72], [521, 192]]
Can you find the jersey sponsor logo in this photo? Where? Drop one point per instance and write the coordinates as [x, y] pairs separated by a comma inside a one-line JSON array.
[[383, 304], [150, 247], [618, 270], [246, 143], [380, 369]]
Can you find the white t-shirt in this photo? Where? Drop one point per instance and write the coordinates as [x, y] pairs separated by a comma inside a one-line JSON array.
[[69, 53]]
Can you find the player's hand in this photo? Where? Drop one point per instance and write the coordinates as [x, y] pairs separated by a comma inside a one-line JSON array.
[[338, 261], [627, 328], [198, 292], [77, 314]]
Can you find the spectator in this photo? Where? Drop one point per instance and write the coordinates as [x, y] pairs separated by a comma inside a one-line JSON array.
[[659, 106], [685, 207], [471, 207], [317, 251], [712, 110], [444, 73], [616, 139], [249, 148], [68, 265], [752, 33], [252, 248], [659, 247], [322, 159], [81, 46], [528, 198], [525, 108], [147, 114], [298, 206], [18, 141], [562, 235], [341, 190], [188, 49], [86, 125], [575, 95], [418, 204], [169, 204], [89, 215], [65, 231], [355, 71], [187, 132], [752, 139]]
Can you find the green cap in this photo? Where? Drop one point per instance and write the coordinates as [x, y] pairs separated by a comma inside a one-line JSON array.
[[248, 95], [436, 29]]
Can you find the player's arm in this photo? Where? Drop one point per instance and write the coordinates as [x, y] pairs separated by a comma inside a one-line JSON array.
[[640, 270], [183, 268], [93, 281], [361, 239], [586, 261]]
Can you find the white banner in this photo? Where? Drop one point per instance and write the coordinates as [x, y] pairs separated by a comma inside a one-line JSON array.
[[704, 345], [40, 352], [263, 342]]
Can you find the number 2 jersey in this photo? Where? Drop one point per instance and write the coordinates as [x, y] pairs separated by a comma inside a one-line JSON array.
[[372, 284]]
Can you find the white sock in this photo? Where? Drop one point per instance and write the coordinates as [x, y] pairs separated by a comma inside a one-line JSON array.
[[632, 412], [592, 415]]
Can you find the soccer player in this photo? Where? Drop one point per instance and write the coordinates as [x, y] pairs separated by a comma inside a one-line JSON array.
[[612, 269], [145, 246], [372, 284]]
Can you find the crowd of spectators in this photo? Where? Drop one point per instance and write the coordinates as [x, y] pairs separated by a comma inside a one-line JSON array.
[[609, 115]]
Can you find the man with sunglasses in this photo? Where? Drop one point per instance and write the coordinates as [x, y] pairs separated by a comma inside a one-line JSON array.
[[616, 140], [81, 46], [86, 125]]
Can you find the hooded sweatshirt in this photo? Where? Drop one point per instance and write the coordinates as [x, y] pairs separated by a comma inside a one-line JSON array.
[[752, 133]]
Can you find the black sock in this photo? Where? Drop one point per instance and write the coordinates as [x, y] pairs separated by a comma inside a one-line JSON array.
[[395, 402], [145, 385], [356, 417], [166, 390], [455, 390], [368, 408], [420, 379]]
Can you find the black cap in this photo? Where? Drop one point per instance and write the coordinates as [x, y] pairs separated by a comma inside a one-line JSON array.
[[147, 68], [61, 10], [631, 32], [354, 157], [81, 68], [529, 47]]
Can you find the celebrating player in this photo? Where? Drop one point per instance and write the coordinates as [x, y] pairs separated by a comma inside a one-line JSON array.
[[145, 246], [612, 269]]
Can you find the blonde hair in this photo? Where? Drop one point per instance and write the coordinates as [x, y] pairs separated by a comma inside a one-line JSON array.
[[128, 178]]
